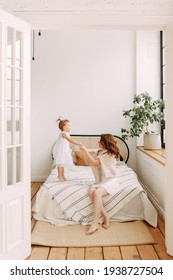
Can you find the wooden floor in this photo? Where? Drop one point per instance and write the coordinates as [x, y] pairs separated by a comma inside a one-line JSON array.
[[139, 252]]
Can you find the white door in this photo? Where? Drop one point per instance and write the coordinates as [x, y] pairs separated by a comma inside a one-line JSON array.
[[15, 241]]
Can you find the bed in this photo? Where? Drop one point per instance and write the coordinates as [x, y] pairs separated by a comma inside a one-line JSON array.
[[66, 203]]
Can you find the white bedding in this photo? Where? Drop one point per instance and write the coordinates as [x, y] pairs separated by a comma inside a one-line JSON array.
[[68, 202]]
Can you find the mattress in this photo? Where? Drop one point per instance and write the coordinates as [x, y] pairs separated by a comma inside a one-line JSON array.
[[64, 203]]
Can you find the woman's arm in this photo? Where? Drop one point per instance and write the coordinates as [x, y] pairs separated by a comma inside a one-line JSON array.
[[88, 158]]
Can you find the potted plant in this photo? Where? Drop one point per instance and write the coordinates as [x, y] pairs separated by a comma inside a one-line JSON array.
[[145, 111]]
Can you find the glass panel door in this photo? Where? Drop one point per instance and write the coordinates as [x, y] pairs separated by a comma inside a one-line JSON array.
[[14, 107], [15, 208]]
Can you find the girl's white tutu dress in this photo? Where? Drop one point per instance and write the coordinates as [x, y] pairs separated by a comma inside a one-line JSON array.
[[62, 152]]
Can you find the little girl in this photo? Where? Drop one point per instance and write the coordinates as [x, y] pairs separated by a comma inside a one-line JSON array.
[[62, 151]]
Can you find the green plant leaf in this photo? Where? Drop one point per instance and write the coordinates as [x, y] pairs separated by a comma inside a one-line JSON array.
[[144, 112]]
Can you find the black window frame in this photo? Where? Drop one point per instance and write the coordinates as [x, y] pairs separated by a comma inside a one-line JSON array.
[[162, 82]]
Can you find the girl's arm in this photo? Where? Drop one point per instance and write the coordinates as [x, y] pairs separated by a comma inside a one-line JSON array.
[[88, 158], [68, 138]]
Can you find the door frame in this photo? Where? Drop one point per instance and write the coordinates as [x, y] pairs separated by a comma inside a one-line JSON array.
[[57, 20]]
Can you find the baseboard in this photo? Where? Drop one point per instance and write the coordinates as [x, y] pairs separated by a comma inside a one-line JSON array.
[[38, 178], [155, 202]]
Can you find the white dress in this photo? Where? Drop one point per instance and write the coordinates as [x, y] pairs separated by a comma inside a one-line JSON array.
[[62, 152], [105, 173]]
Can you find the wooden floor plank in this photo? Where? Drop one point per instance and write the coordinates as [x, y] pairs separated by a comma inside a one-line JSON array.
[[161, 252], [93, 253], [129, 253], [57, 253], [76, 253], [35, 188], [111, 253], [33, 222], [39, 253], [161, 225], [157, 235], [147, 252]]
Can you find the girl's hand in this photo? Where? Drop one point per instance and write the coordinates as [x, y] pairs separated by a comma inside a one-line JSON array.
[[82, 147], [80, 144]]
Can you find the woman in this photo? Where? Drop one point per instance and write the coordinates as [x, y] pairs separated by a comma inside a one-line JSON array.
[[104, 170]]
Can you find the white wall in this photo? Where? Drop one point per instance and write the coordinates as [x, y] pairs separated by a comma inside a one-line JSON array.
[[89, 77], [148, 68]]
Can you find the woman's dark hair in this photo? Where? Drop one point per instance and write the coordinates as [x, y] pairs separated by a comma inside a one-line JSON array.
[[110, 144]]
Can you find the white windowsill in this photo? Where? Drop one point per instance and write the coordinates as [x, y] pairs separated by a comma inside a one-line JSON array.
[[158, 155]]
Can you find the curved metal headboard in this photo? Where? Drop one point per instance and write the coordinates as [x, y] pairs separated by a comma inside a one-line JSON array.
[[91, 142]]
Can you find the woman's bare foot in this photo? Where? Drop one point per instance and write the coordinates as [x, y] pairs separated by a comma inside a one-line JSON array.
[[92, 229], [106, 223]]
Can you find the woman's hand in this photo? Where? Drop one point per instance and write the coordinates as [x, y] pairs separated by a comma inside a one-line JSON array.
[[88, 158]]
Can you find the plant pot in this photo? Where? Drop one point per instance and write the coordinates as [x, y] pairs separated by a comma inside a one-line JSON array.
[[152, 142]]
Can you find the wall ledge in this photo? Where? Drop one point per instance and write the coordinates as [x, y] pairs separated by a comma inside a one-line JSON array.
[[158, 155]]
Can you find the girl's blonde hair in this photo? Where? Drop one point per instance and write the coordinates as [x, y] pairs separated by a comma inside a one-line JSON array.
[[61, 122], [110, 144]]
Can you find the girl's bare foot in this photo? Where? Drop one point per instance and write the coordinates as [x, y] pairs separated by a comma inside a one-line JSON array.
[[61, 178], [92, 229], [64, 178]]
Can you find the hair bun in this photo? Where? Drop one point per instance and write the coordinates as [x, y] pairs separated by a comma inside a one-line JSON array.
[[60, 118]]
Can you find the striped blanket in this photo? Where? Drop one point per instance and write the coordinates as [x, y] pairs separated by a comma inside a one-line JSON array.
[[72, 195]]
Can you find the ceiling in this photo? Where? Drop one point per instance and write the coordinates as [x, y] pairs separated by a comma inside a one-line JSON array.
[[148, 7], [111, 12]]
